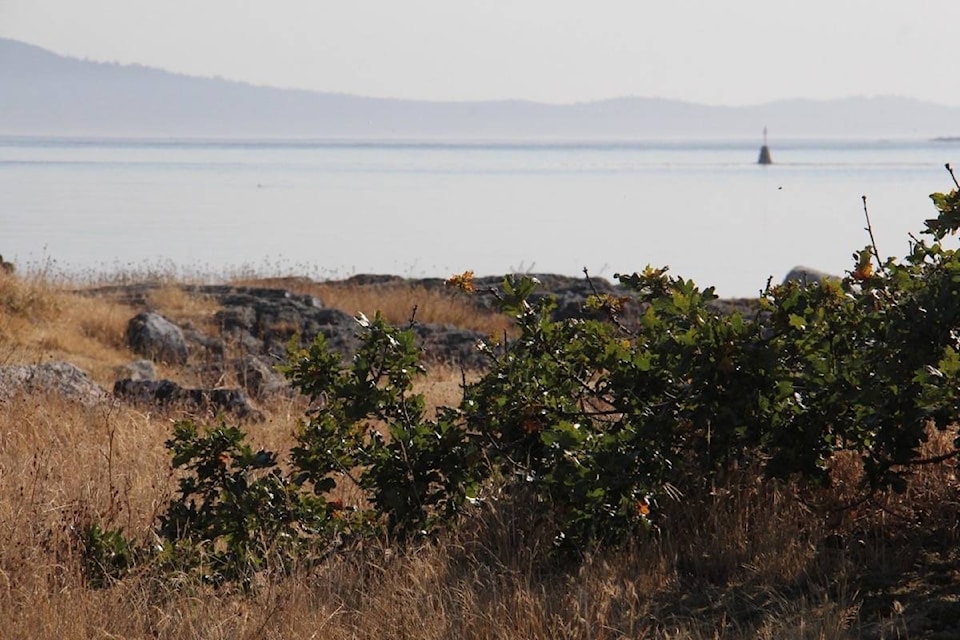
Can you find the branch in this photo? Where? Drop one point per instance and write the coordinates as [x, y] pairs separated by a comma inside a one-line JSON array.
[[873, 241], [922, 461], [950, 171]]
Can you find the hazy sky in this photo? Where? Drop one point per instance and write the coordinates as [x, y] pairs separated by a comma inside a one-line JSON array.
[[709, 51]]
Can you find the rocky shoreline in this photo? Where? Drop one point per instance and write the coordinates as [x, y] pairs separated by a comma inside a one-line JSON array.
[[254, 326]]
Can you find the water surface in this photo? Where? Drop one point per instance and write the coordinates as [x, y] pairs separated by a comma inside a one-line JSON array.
[[334, 208]]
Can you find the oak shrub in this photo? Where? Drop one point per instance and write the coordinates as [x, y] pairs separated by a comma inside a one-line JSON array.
[[589, 423]]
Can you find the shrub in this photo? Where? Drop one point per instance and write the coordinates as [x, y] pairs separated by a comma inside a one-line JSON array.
[[235, 508], [590, 423]]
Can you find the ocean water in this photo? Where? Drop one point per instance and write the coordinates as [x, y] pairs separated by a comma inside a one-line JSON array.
[[330, 209]]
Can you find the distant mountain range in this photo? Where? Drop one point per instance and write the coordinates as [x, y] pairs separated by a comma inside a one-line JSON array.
[[42, 93]]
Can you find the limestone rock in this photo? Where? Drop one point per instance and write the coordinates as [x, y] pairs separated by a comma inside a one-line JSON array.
[[806, 275], [167, 393], [61, 378], [137, 370], [153, 336], [263, 321], [259, 378]]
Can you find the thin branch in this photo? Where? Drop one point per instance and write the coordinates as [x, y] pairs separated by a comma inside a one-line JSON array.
[[413, 317], [950, 171], [346, 472], [891, 512], [611, 312], [873, 241], [922, 461]]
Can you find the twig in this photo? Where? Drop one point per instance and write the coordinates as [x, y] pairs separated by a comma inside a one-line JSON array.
[[611, 312], [413, 317], [891, 512], [950, 171], [873, 241]]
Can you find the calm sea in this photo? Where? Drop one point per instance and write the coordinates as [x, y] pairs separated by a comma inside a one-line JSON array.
[[332, 209]]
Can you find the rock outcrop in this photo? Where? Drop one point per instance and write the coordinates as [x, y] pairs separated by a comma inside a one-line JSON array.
[[167, 393], [59, 378], [263, 321], [256, 325]]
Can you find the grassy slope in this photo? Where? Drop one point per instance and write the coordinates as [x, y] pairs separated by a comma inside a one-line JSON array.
[[750, 560]]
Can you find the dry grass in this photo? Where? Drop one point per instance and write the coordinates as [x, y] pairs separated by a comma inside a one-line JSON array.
[[43, 321], [64, 465], [40, 321], [397, 302], [442, 386], [747, 558], [746, 561]]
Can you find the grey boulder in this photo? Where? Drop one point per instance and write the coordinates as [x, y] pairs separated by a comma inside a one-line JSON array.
[[151, 335], [60, 378], [807, 276]]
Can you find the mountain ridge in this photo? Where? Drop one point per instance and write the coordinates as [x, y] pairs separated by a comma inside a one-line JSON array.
[[45, 93]]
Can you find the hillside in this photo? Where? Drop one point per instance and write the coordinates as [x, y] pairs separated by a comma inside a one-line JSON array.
[[48, 94]]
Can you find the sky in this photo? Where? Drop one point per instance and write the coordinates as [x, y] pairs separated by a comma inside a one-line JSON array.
[[732, 52]]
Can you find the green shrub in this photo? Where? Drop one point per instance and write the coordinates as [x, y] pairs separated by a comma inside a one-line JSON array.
[[235, 509], [590, 423], [368, 428]]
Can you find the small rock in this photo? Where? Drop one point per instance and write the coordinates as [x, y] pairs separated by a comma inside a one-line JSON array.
[[153, 336]]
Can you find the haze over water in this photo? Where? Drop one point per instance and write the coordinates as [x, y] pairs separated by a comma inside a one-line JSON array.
[[332, 209]]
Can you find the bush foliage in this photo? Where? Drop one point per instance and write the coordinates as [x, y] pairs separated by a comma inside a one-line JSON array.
[[589, 423]]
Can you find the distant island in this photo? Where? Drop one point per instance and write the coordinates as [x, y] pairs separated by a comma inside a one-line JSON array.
[[48, 94]]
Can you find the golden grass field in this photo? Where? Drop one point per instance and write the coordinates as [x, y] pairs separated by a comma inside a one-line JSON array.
[[753, 559]]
